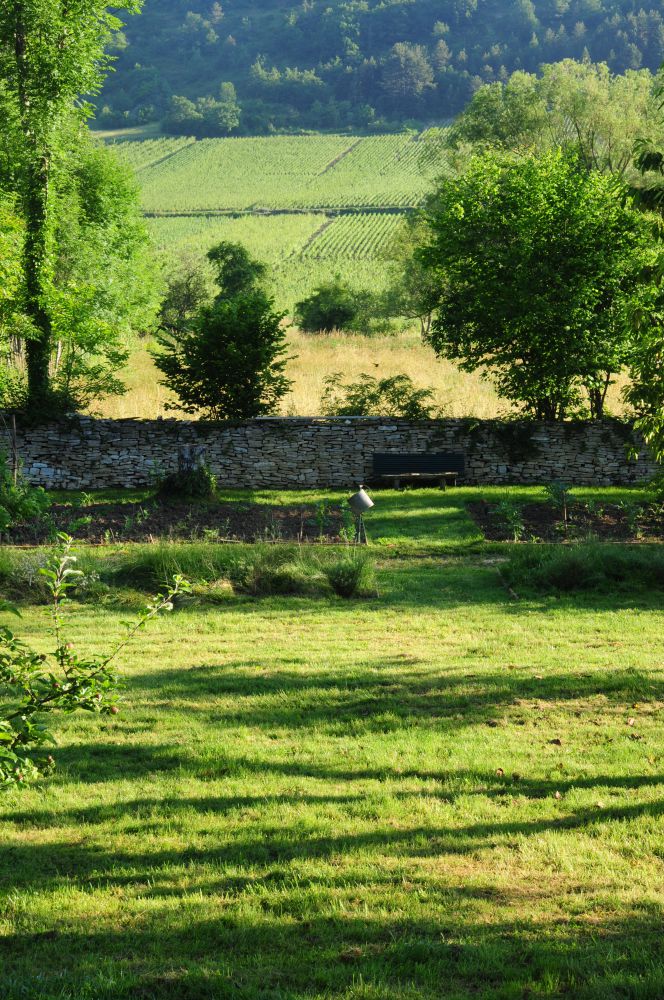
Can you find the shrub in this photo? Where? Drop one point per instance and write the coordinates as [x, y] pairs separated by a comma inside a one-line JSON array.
[[508, 516], [230, 364], [559, 496], [331, 306], [395, 396], [272, 574], [596, 567], [194, 484], [351, 575], [538, 259], [19, 501]]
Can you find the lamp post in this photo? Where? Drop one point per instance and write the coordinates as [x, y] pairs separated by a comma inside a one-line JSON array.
[[360, 503]]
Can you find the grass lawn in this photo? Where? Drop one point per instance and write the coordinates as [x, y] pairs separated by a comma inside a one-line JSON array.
[[435, 792]]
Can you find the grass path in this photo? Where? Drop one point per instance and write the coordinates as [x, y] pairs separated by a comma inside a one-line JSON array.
[[436, 792]]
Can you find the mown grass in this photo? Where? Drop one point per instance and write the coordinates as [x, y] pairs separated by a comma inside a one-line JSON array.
[[437, 791]]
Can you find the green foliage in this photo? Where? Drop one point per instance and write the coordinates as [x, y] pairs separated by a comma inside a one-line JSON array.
[[259, 570], [394, 396], [509, 516], [230, 364], [645, 391], [274, 571], [572, 104], [503, 115], [559, 495], [352, 575], [587, 567], [331, 306], [19, 501], [34, 685], [194, 484], [187, 291], [537, 261], [207, 116], [414, 289], [50, 57], [236, 271], [358, 64]]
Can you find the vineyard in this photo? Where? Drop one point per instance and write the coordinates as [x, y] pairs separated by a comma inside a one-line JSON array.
[[311, 206]]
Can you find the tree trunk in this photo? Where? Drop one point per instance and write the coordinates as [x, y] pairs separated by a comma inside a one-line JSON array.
[[38, 347], [35, 204], [597, 396]]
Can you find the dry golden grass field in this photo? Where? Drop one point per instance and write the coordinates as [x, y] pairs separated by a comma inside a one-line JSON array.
[[316, 356]]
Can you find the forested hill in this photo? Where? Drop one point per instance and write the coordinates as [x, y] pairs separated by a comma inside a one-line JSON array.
[[242, 66]]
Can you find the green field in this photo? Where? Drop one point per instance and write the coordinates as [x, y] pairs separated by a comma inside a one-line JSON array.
[[439, 790], [198, 192]]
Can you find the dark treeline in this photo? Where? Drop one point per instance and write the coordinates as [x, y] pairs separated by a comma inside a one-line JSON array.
[[219, 67]]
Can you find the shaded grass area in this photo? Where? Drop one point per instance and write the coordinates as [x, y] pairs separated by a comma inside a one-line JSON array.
[[438, 791]]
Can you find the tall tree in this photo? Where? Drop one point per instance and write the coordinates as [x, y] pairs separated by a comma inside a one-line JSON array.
[[574, 104], [537, 260], [51, 53], [407, 75]]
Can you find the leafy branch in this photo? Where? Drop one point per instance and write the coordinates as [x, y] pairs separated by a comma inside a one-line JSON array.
[[32, 685]]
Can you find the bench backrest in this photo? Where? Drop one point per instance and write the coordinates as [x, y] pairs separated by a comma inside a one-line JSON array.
[[394, 464]]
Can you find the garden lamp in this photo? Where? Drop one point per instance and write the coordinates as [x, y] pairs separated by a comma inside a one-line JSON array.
[[360, 503]]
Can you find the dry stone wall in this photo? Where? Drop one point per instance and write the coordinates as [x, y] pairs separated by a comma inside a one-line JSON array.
[[299, 453]]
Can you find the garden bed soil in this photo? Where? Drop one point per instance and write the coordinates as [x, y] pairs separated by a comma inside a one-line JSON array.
[[149, 521], [541, 522]]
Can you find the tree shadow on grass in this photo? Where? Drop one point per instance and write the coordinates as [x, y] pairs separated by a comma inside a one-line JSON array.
[[453, 786], [385, 695], [264, 840], [458, 950]]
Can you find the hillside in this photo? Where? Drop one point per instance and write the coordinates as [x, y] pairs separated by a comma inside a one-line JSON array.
[[242, 67], [311, 206]]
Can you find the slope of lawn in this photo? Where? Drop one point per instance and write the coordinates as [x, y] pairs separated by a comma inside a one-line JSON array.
[[434, 791]]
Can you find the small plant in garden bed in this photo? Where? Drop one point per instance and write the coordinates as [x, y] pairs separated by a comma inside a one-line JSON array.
[[508, 516], [559, 496], [185, 520], [21, 503], [34, 685], [567, 518]]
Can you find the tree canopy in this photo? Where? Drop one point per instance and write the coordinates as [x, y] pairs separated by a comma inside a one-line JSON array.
[[226, 358], [579, 104], [536, 261], [51, 56], [355, 63], [83, 277]]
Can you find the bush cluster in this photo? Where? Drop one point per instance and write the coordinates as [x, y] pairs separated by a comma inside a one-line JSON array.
[[585, 568]]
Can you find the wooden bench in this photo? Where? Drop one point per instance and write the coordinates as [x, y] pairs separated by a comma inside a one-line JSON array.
[[415, 467]]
